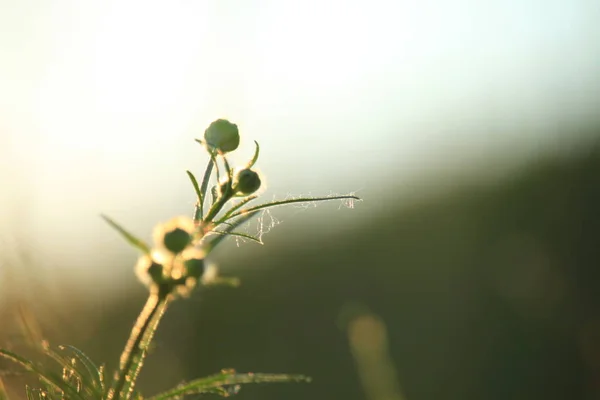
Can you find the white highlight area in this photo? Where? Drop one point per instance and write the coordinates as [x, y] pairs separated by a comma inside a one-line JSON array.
[[100, 101]]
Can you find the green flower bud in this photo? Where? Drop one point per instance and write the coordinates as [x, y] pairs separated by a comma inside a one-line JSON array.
[[247, 182], [177, 240], [174, 235], [155, 271], [149, 271], [194, 267], [222, 135]]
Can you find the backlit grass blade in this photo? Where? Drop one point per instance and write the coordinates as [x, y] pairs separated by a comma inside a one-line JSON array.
[[30, 394], [3, 394], [47, 376], [290, 201], [205, 178], [70, 370], [219, 383], [91, 368], [239, 234], [233, 209], [213, 243], [134, 241], [255, 157]]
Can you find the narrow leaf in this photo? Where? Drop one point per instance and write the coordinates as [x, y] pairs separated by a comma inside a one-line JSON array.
[[239, 234], [92, 369], [215, 195], [3, 394], [221, 381], [195, 184], [255, 157], [291, 201], [213, 243], [102, 379], [227, 168], [45, 375], [134, 241], [205, 180], [70, 370], [29, 393], [235, 208]]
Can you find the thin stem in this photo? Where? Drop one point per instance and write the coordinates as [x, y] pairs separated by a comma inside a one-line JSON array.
[[144, 345], [133, 349]]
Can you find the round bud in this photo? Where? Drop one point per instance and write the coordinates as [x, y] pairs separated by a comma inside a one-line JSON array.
[[155, 271], [247, 182], [177, 240], [222, 135], [194, 267], [149, 272]]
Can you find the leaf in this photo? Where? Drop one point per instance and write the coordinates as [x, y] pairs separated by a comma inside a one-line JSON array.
[[47, 376], [3, 394], [29, 393], [219, 383], [69, 370], [93, 371], [102, 379], [195, 184], [255, 157], [213, 243], [205, 179], [234, 208], [227, 168], [239, 234], [215, 195], [134, 241], [290, 201]]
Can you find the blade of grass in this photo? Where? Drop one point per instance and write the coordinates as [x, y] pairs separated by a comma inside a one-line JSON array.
[[224, 379], [90, 366], [205, 178], [235, 208], [239, 234], [199, 200], [255, 157], [69, 370], [29, 393], [134, 241], [47, 376], [3, 394], [290, 201], [195, 184], [213, 243]]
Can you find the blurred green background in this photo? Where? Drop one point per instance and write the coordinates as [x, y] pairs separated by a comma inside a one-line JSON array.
[[469, 271]]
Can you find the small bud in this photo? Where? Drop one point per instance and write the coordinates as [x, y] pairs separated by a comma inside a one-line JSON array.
[[194, 267], [177, 240], [174, 235], [247, 182], [222, 135], [149, 271]]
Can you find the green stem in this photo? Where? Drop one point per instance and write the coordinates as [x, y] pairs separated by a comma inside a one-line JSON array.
[[133, 349], [214, 210]]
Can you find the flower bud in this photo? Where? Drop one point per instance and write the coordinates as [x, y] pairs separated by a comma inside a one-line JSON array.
[[149, 271], [247, 182], [174, 235], [194, 267], [177, 240], [222, 135]]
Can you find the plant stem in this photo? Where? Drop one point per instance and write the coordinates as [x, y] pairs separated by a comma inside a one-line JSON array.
[[133, 349], [214, 210]]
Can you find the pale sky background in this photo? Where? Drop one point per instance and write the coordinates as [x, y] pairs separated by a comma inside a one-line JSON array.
[[100, 101]]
